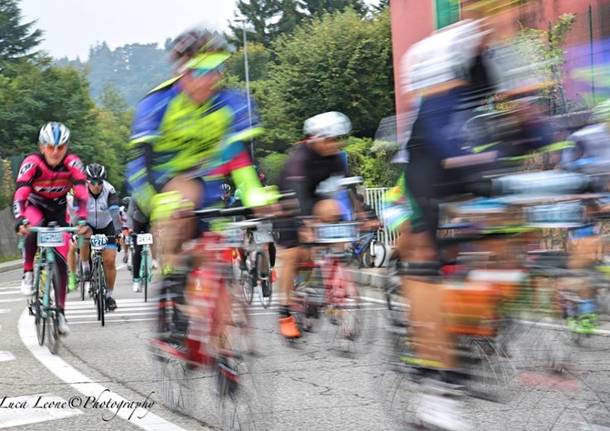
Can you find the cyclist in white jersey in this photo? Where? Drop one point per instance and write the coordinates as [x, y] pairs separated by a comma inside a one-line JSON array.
[[102, 218]]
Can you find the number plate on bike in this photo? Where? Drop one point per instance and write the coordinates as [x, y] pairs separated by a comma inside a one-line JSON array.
[[263, 235], [233, 237], [565, 214], [98, 242], [340, 232], [51, 238], [144, 239]]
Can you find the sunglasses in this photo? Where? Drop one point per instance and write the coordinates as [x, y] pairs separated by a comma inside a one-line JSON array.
[[95, 182], [58, 148], [198, 73]]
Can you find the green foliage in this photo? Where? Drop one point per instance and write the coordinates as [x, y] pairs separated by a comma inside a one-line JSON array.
[[340, 62], [373, 166], [258, 15], [17, 39], [7, 184], [132, 69], [272, 165], [320, 7], [258, 61], [545, 48]]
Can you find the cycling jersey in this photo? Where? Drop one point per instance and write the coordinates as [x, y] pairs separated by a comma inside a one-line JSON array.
[[46, 187], [305, 169], [103, 209], [174, 136]]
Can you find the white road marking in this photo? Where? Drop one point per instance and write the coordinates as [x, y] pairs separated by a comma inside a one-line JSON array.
[[32, 412], [6, 356], [11, 292], [22, 299], [5, 310], [15, 288], [140, 417]]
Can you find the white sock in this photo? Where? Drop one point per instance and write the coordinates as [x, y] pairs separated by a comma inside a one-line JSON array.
[[109, 293]]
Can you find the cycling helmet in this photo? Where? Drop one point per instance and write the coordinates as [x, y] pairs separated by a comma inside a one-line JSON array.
[[126, 201], [327, 125], [225, 189], [54, 133], [95, 171], [191, 43]]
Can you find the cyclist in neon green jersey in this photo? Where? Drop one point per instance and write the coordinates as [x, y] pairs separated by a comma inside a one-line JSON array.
[[187, 136]]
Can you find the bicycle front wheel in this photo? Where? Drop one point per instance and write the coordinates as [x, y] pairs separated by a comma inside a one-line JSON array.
[[266, 287], [52, 323]]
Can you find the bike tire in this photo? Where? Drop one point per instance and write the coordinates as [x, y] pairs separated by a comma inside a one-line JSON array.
[[81, 280], [39, 321], [246, 283], [145, 270], [52, 318], [265, 300], [379, 255], [102, 293]]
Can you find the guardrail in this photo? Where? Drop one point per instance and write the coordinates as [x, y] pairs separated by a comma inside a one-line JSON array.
[[374, 198]]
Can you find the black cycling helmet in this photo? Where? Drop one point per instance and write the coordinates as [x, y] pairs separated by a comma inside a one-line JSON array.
[[95, 172], [193, 42]]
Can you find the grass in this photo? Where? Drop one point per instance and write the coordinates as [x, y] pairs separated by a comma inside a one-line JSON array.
[[9, 258]]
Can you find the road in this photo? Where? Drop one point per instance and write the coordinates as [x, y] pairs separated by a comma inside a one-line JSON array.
[[304, 386]]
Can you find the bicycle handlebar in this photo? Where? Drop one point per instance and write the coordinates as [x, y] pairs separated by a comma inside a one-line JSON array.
[[209, 213]]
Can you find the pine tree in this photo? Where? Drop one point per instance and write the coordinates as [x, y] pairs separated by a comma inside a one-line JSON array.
[[258, 15], [17, 39], [319, 7]]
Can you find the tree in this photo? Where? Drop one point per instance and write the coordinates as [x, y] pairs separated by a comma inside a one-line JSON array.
[[319, 7], [541, 53], [259, 59], [17, 39], [381, 6], [259, 15], [373, 165], [340, 62]]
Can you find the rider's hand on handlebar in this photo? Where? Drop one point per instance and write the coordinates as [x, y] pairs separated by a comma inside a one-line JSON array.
[[24, 229], [470, 160]]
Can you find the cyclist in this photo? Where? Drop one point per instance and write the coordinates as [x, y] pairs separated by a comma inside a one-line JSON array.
[[137, 222], [102, 219], [312, 161], [124, 228], [188, 134], [43, 181]]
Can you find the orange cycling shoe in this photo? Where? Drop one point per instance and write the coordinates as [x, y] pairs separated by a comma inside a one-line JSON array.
[[288, 327]]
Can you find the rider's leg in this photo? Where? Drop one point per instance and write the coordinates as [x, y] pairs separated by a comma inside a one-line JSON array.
[[175, 267], [35, 217], [72, 265], [109, 256], [85, 253]]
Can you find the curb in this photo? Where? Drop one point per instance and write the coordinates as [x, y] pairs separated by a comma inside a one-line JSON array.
[[11, 265]]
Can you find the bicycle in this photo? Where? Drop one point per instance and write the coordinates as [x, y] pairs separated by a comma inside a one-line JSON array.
[[46, 284], [97, 286], [256, 261], [146, 265], [218, 336], [323, 284], [369, 251]]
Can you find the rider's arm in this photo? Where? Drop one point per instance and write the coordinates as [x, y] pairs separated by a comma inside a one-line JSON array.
[[235, 158], [27, 173], [113, 207], [79, 185], [145, 132]]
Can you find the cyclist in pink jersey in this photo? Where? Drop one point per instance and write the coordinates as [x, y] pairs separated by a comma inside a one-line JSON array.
[[44, 180]]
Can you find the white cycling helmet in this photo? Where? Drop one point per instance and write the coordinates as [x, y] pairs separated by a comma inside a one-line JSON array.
[[54, 133], [327, 125]]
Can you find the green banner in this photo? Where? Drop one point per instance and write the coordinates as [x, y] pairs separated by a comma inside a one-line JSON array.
[[447, 12]]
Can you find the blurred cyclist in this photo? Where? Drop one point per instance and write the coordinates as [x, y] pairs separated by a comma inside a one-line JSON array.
[[187, 135], [312, 161]]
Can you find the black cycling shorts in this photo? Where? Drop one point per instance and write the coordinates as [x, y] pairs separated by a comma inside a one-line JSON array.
[[108, 231]]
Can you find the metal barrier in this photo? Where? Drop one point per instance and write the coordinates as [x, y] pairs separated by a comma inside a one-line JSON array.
[[374, 197]]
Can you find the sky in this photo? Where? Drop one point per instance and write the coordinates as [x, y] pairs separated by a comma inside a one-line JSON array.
[[72, 26]]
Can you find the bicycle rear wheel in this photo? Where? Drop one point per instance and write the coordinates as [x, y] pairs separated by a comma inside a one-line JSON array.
[[247, 280], [81, 280]]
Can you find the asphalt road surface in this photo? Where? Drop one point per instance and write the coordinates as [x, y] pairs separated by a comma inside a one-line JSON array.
[[313, 384]]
